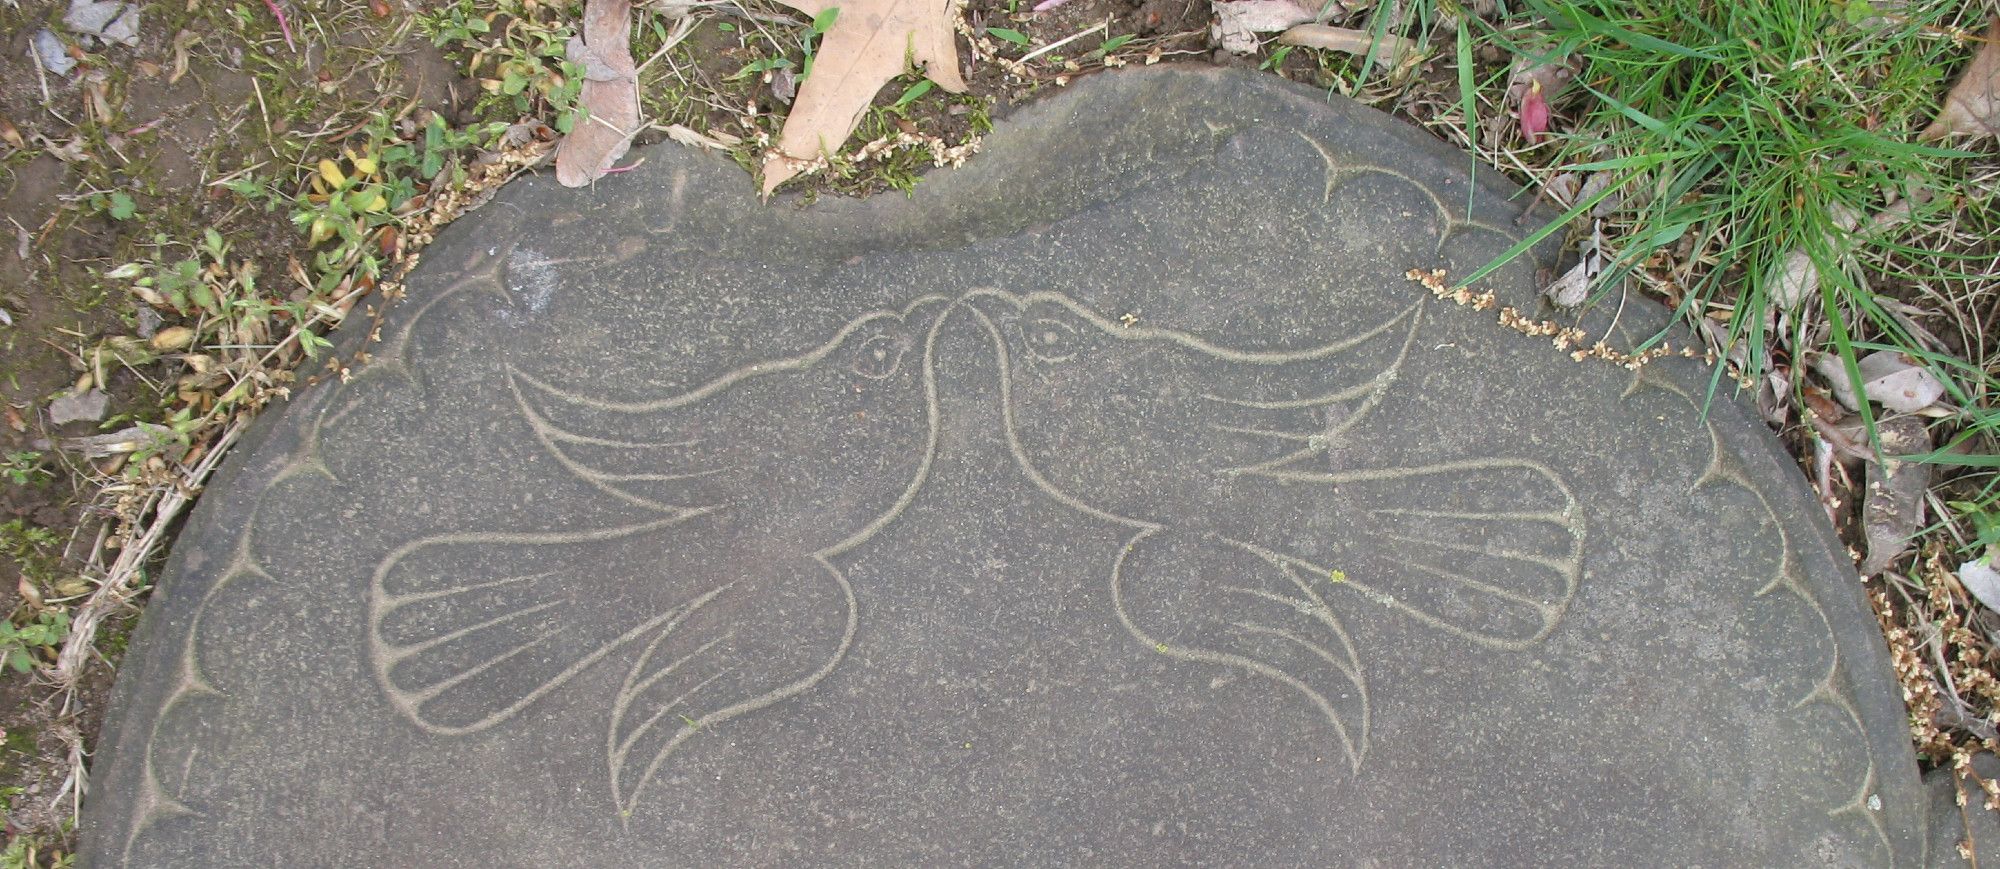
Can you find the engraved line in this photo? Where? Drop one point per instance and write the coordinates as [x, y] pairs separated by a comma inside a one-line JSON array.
[[1348, 394], [660, 478], [1554, 564], [1544, 608], [1020, 452], [755, 703], [630, 687], [1208, 657], [625, 745], [401, 652], [1337, 174], [306, 457], [430, 692], [491, 273], [931, 429], [1254, 432], [1308, 645], [550, 437], [570, 437], [1552, 518], [634, 689], [154, 804], [378, 608], [1376, 390], [1149, 333], [1323, 613], [397, 601], [731, 378], [1726, 467], [652, 721]]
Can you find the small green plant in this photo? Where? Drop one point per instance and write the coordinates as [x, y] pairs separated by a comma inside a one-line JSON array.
[[1112, 45], [1009, 35], [455, 24], [759, 67], [115, 204], [821, 23], [22, 646], [1984, 516], [912, 94], [518, 53], [24, 468], [28, 851], [34, 549]]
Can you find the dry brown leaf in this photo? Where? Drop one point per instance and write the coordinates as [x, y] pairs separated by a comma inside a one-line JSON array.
[[1573, 288], [871, 42], [1238, 22], [1973, 106], [610, 93], [1393, 50]]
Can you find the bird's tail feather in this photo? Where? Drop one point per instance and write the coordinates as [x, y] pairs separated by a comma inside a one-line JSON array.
[[466, 629], [766, 636], [1207, 600], [1489, 549]]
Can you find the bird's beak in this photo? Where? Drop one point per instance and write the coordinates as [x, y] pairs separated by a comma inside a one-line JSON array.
[[925, 312], [994, 307]]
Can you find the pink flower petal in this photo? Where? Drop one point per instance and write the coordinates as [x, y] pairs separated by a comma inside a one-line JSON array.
[[1534, 113]]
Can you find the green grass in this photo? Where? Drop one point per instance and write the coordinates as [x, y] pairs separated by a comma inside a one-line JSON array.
[[1736, 133]]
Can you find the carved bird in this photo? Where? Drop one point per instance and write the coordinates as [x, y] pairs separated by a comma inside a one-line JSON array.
[[749, 486], [1251, 522]]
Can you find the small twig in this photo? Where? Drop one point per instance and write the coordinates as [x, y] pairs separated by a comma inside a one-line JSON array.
[[1062, 42], [116, 588], [284, 26], [35, 61]]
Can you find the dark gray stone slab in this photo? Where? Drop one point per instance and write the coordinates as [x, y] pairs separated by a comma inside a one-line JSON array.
[[1113, 500]]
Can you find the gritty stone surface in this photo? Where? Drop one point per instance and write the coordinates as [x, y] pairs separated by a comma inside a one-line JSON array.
[[1115, 499]]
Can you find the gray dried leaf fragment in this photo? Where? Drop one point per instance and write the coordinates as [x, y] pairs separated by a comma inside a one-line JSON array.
[[1796, 278], [125, 440], [109, 21], [1892, 379], [1239, 22], [50, 53], [72, 407], [1573, 287], [1893, 512], [1981, 580], [1898, 382]]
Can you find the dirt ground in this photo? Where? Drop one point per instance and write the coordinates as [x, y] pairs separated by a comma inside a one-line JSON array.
[[216, 119], [160, 123]]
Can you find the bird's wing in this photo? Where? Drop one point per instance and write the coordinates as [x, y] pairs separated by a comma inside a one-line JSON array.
[[466, 629], [769, 635], [1151, 423], [1488, 549], [1268, 410], [666, 456], [1207, 600]]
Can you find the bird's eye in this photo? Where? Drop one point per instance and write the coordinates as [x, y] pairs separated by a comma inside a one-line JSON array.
[[878, 357], [1050, 340]]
